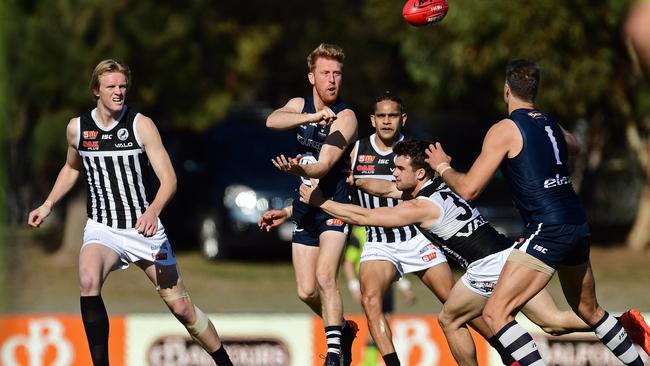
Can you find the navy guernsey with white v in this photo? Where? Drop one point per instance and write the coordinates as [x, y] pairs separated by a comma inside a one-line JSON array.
[[310, 138], [539, 176]]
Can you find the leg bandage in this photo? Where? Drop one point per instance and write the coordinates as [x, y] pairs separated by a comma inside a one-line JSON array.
[[200, 325], [179, 294]]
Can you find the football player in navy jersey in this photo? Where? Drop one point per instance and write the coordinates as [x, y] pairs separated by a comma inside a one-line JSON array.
[[111, 146], [462, 234], [325, 129], [532, 150]]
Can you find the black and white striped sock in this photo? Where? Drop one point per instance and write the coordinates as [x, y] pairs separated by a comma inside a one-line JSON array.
[[333, 334], [519, 344], [610, 331]]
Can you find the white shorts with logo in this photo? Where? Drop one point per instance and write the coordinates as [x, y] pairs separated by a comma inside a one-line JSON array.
[[413, 255], [131, 245], [482, 275]]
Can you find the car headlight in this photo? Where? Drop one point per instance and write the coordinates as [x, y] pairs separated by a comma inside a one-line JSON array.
[[240, 196]]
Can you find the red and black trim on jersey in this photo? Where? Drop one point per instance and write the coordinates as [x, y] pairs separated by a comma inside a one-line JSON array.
[[369, 162]]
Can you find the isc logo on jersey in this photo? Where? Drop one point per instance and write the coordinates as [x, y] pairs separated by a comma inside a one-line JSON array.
[[305, 160]]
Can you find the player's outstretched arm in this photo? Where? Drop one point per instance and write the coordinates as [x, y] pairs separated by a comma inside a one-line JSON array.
[[66, 179], [499, 140], [378, 187], [290, 116], [406, 213]]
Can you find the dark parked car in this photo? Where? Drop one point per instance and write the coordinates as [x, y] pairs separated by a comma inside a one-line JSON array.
[[225, 182]]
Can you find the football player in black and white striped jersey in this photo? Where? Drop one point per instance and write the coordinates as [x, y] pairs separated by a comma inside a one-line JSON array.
[[112, 145], [459, 230], [390, 253]]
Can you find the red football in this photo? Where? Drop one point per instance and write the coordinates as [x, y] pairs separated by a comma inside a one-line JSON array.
[[424, 12]]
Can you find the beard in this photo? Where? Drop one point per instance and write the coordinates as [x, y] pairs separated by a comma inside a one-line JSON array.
[[326, 97]]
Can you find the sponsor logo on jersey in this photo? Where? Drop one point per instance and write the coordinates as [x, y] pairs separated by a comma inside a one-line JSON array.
[[557, 181], [122, 134], [90, 135], [428, 248], [366, 168], [383, 161], [335, 222], [471, 227], [536, 115], [107, 137], [366, 159], [122, 145], [305, 160], [429, 257], [540, 248], [90, 145], [309, 142], [487, 286]]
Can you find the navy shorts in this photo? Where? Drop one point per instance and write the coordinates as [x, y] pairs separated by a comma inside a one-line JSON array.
[[314, 223], [557, 244]]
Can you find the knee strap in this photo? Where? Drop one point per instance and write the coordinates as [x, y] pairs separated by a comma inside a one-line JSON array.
[[200, 325], [178, 294]]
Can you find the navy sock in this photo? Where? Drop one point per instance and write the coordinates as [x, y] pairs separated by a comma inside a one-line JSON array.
[[221, 357], [95, 319], [390, 359]]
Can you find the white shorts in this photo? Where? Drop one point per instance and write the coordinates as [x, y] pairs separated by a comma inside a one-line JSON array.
[[413, 255], [131, 245], [482, 275]]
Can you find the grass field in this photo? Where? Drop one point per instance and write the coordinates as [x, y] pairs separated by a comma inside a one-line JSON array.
[[40, 282]]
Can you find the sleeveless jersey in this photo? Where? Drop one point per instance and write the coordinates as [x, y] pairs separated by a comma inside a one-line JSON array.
[[461, 232], [369, 162], [539, 176], [310, 138], [116, 170]]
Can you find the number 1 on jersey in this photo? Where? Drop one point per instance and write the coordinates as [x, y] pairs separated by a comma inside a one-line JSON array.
[[551, 137]]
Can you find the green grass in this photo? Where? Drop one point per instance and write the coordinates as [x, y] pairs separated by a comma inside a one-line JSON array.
[[42, 282]]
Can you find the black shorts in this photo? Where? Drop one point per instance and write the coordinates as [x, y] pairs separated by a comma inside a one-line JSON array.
[[314, 223], [557, 244]]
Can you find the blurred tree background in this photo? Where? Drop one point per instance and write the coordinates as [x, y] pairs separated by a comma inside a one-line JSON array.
[[193, 60]]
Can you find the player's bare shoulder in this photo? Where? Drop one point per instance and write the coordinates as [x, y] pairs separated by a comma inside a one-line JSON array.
[[346, 120], [426, 211], [347, 114], [294, 105], [146, 130], [504, 136], [72, 132]]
